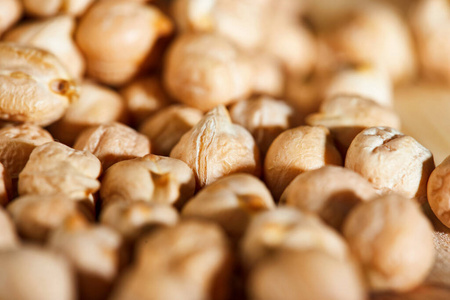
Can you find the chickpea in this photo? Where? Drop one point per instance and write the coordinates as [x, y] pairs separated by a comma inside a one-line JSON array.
[[113, 55], [391, 162], [269, 75], [8, 236], [34, 86], [152, 178], [231, 201], [10, 13], [438, 192], [112, 142], [48, 8], [296, 151], [215, 147], [393, 240], [205, 70], [166, 127]]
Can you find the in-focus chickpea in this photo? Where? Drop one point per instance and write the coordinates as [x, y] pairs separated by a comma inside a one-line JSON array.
[[152, 178], [8, 235], [393, 240], [113, 55], [391, 161], [166, 127], [330, 192], [286, 228], [17, 143], [215, 147], [35, 216], [130, 219], [54, 168], [10, 13], [264, 117], [268, 76], [293, 275], [34, 85], [295, 151], [113, 142], [205, 70], [48, 8], [31, 273], [55, 36], [439, 192], [97, 104], [231, 202]]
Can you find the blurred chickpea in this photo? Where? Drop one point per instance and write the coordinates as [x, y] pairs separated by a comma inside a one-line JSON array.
[[166, 127], [97, 104], [205, 70], [10, 13], [331, 192], [215, 147], [8, 236], [268, 76], [264, 117], [295, 151], [438, 192], [117, 36], [48, 8], [393, 240], [34, 85], [391, 161], [152, 178], [113, 142]]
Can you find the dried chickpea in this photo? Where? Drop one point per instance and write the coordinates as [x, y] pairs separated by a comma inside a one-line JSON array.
[[205, 70], [8, 235], [130, 219], [34, 86], [188, 261], [55, 36], [17, 143], [117, 36], [391, 162], [264, 117], [54, 168], [112, 142], [144, 97], [295, 151], [393, 240], [215, 147], [97, 104], [330, 192], [10, 13], [293, 275], [36, 216], [438, 192], [48, 8], [286, 228], [231, 202], [31, 273], [166, 127], [152, 178], [269, 76], [347, 115], [93, 250]]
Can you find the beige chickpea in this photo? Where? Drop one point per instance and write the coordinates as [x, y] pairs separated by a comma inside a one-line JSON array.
[[438, 192], [231, 202], [293, 275], [393, 240], [188, 261], [113, 142], [35, 216], [391, 162], [215, 147], [347, 115], [48, 8], [94, 251], [143, 98], [331, 192], [34, 86], [264, 117], [166, 127], [295, 151], [152, 178], [97, 104], [10, 13], [130, 219], [8, 236], [205, 70], [268, 76], [32, 273], [286, 228], [17, 143], [54, 168], [117, 36]]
